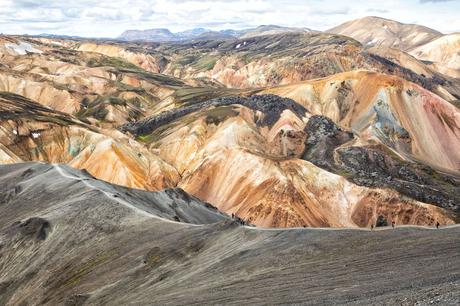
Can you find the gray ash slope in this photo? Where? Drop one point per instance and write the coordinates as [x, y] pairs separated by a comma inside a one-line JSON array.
[[31, 186], [67, 240]]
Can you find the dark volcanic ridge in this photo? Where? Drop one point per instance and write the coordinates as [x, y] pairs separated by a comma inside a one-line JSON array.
[[14, 107], [270, 105], [68, 239], [377, 166]]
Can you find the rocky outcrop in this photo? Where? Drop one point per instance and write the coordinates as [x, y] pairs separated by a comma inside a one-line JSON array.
[[243, 155], [269, 106], [409, 119], [376, 166], [323, 136]]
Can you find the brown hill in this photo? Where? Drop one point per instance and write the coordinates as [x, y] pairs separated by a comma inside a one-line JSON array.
[[443, 52], [376, 31], [278, 171], [250, 156], [31, 132]]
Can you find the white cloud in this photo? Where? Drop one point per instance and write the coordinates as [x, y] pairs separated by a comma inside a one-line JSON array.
[[108, 18]]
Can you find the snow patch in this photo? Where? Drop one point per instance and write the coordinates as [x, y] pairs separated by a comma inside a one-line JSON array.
[[22, 48], [374, 41], [35, 135], [238, 46]]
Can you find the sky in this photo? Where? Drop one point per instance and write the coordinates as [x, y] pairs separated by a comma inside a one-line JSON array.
[[109, 18]]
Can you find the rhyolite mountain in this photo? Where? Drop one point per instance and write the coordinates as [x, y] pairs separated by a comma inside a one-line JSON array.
[[163, 115], [231, 167], [439, 51], [443, 53], [167, 115], [387, 33]]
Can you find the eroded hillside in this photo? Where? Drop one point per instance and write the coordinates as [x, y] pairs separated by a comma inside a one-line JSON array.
[[340, 151], [383, 32], [252, 157], [274, 60], [31, 132]]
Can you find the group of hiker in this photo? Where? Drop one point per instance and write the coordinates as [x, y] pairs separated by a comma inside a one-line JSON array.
[[393, 225], [240, 220]]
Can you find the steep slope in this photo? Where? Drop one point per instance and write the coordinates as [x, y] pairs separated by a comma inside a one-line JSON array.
[[147, 62], [20, 181], [96, 88], [376, 31], [29, 131], [245, 155], [444, 52], [407, 61], [411, 120], [278, 171], [78, 241]]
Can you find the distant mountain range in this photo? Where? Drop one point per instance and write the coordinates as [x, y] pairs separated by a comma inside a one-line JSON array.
[[161, 35]]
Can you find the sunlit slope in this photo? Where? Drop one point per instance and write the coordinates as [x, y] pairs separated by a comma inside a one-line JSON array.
[[444, 52], [273, 60], [30, 132], [376, 31], [399, 113], [247, 156]]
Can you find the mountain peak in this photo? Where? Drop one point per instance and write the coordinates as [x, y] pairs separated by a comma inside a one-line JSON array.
[[373, 30]]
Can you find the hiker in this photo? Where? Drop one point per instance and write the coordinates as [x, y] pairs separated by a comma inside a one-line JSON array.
[[372, 226], [437, 224], [392, 224]]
